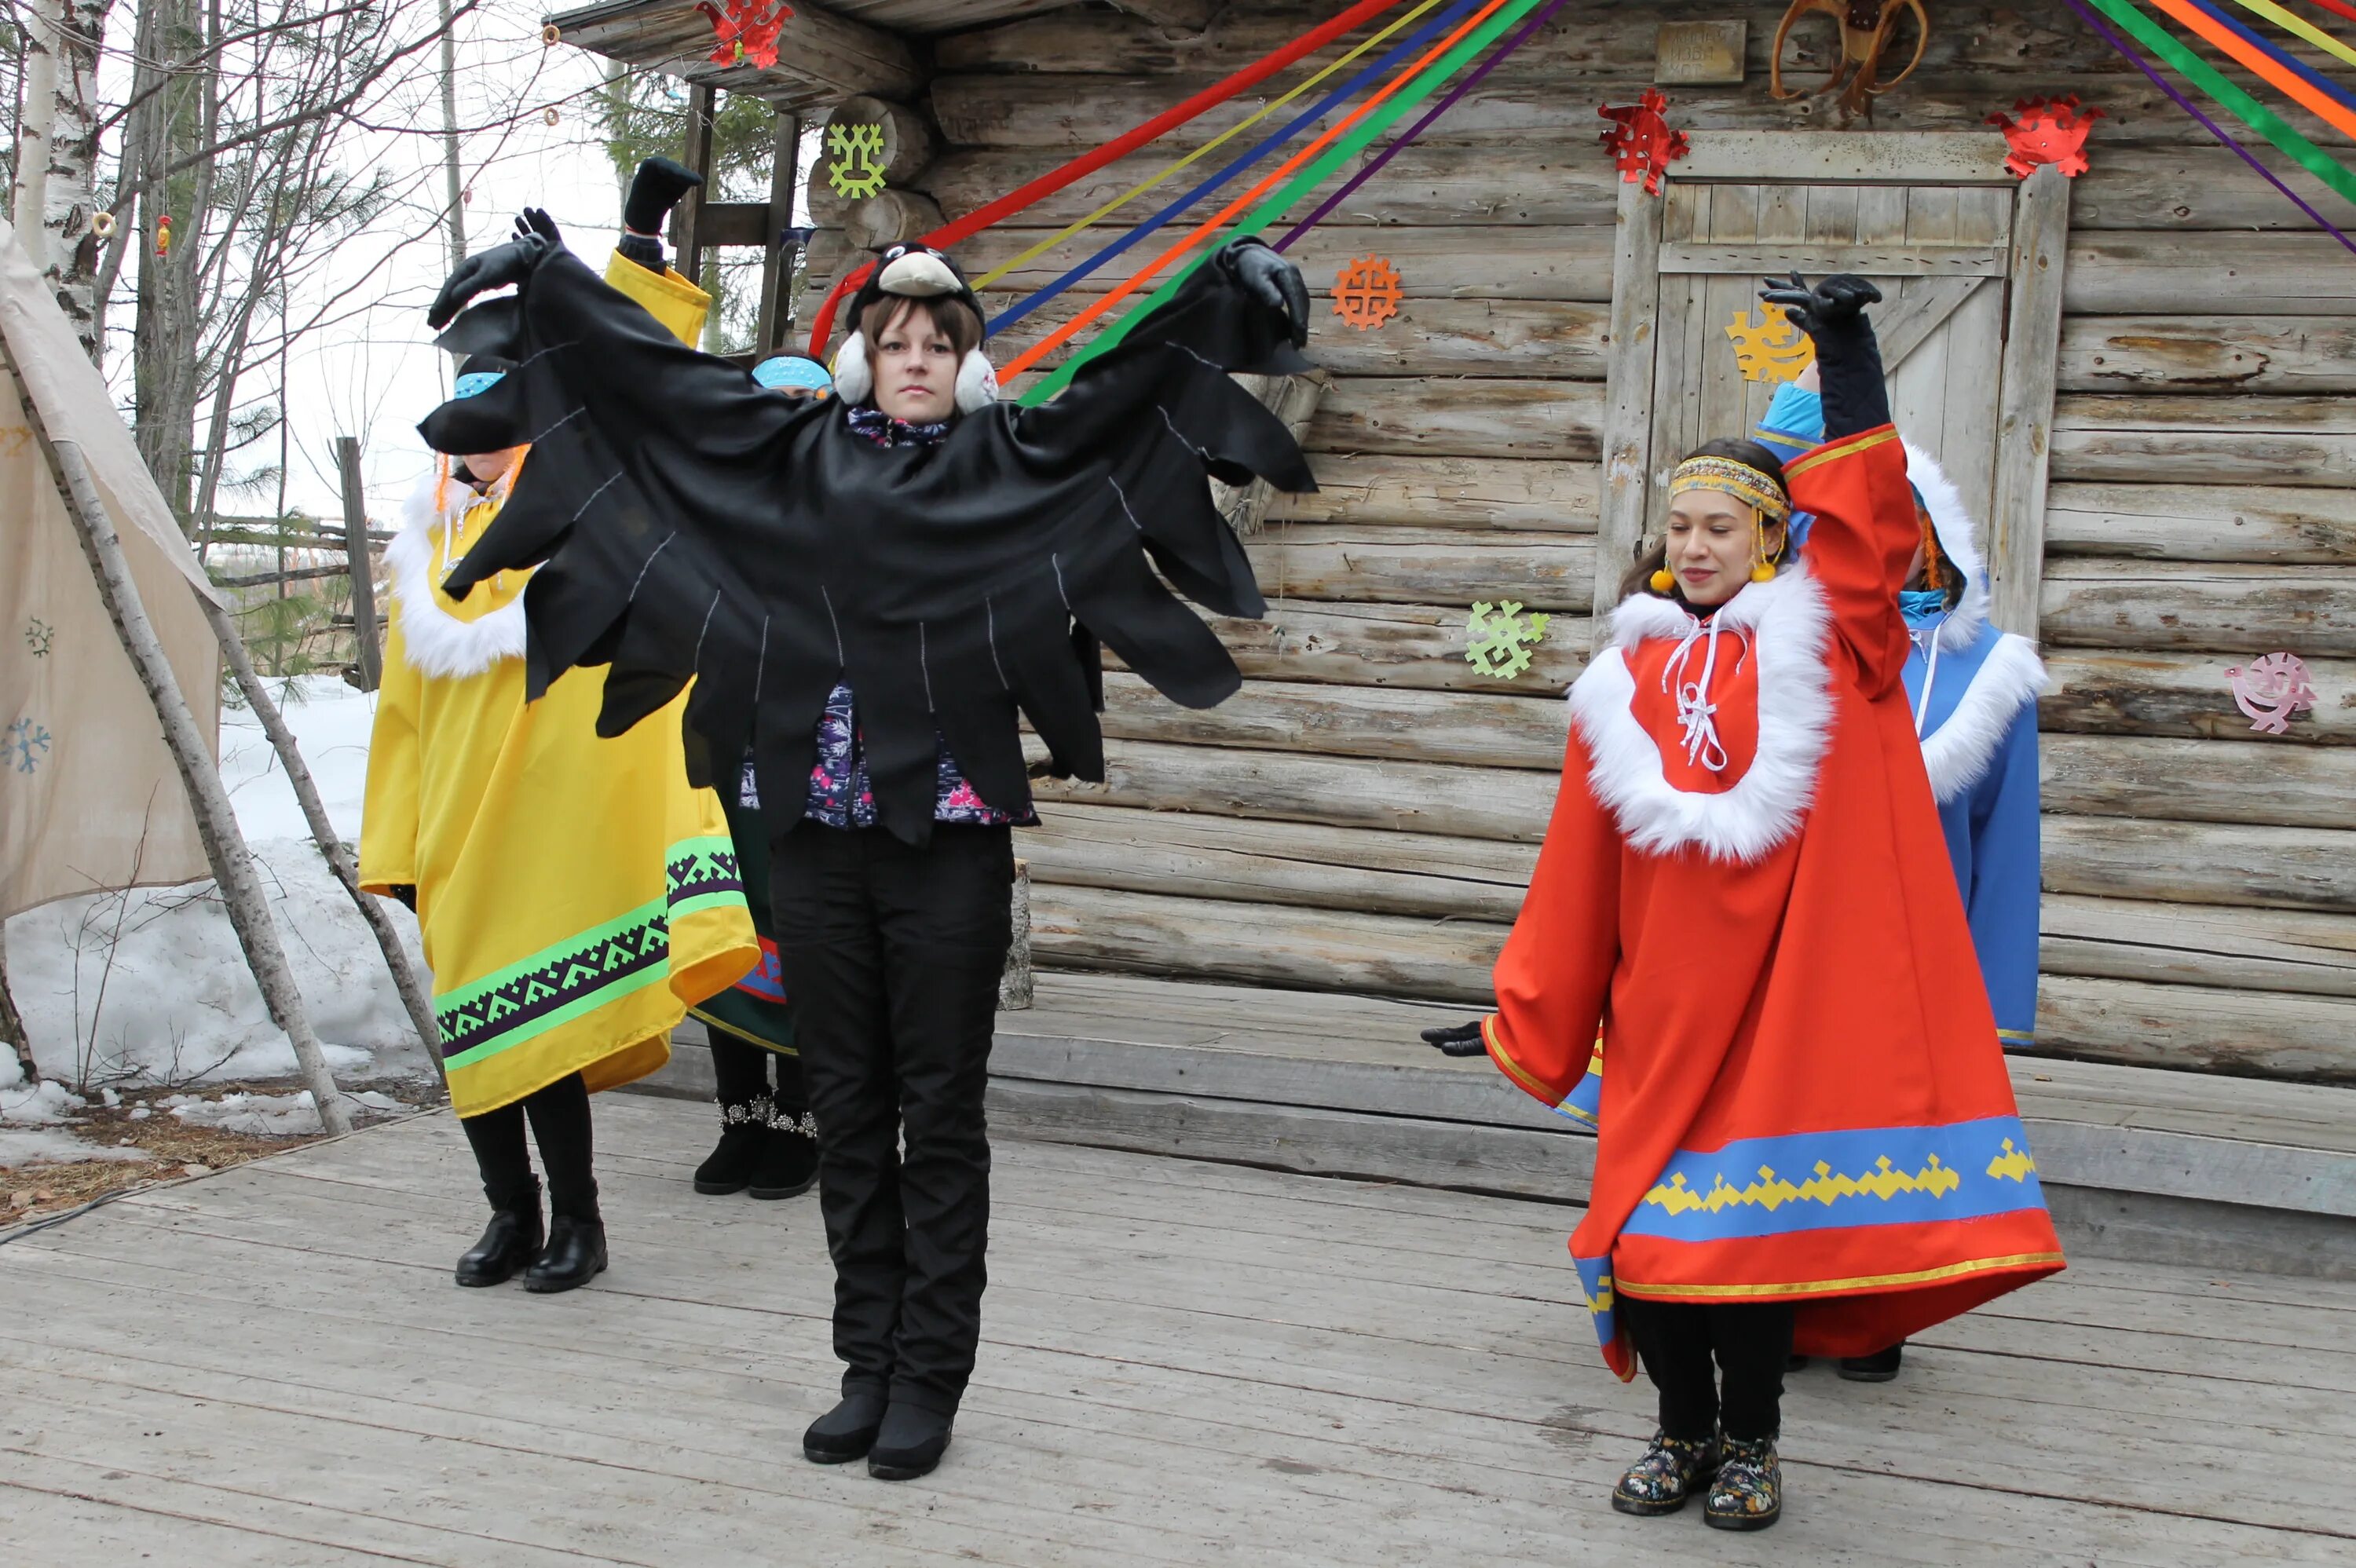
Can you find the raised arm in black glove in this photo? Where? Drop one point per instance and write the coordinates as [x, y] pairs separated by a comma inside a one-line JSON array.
[[1848, 359], [655, 190], [536, 220], [1270, 278], [493, 269]]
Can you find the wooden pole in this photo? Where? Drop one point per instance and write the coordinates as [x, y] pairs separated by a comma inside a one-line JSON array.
[[2024, 424], [688, 232], [355, 544], [778, 262], [1628, 394], [248, 909], [339, 855]]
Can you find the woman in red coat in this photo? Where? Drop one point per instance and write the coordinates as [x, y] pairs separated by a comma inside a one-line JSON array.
[[1807, 1136]]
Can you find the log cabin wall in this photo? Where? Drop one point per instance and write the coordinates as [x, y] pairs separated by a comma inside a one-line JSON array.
[[1363, 816]]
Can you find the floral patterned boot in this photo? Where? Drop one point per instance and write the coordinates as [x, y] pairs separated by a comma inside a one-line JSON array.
[[1666, 1476], [1749, 1491]]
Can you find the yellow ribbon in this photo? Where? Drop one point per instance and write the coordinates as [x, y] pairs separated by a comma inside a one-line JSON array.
[[1205, 150], [2305, 29]]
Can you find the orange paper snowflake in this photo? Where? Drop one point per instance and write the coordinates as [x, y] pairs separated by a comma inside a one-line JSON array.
[[2047, 132], [746, 32], [1367, 292]]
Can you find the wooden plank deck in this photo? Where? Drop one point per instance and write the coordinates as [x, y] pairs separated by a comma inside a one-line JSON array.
[[1186, 1363]]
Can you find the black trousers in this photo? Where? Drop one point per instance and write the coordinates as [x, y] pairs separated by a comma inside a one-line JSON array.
[[744, 1069], [559, 1122], [893, 956], [1750, 1341]]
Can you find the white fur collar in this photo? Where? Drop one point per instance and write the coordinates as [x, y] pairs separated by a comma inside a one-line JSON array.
[[1957, 754], [1789, 624], [1959, 537], [440, 643]]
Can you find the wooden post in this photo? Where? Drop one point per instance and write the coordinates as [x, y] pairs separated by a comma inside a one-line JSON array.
[[248, 909], [356, 543], [689, 233], [778, 252], [1628, 395], [337, 854], [2024, 428], [1014, 984]]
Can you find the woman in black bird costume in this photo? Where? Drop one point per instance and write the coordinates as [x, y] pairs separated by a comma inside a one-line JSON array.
[[865, 592]]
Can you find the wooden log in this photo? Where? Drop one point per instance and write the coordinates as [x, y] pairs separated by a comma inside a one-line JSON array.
[[1181, 17], [2229, 608], [1549, 572], [1624, 428], [2129, 272], [2196, 1028], [821, 55], [1506, 803], [1249, 943], [1289, 863], [2192, 187], [358, 563], [1524, 494], [888, 218], [2275, 524], [2183, 694], [1416, 416], [2204, 353], [2256, 439], [2201, 863], [1417, 646], [909, 148], [1341, 721], [2250, 782], [1532, 263], [2190, 945]]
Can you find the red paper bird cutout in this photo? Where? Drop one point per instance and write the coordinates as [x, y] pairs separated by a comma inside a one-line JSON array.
[[1641, 142], [747, 32], [2047, 132]]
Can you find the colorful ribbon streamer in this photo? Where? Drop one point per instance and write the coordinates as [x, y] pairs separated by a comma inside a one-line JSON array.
[[2201, 74], [2277, 70], [1300, 122], [2301, 27], [2314, 78], [1455, 94], [1484, 30], [1214, 145], [2338, 8], [1426, 81], [2208, 125], [1120, 147]]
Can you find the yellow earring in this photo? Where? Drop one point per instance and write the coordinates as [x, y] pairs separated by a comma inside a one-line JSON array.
[[1662, 581], [1764, 573]]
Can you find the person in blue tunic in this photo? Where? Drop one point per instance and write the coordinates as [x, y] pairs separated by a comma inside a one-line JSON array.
[[1974, 690]]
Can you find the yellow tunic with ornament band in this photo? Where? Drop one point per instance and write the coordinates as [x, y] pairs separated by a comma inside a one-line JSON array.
[[575, 895]]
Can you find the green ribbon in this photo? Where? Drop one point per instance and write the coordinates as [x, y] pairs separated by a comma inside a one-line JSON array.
[[1272, 210], [2252, 112]]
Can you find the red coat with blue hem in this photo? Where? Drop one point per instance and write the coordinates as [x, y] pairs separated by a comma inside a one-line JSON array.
[[1745, 885]]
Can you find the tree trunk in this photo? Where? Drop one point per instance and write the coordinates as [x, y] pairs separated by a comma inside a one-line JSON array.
[[70, 249], [248, 908], [12, 1022], [165, 364], [28, 208]]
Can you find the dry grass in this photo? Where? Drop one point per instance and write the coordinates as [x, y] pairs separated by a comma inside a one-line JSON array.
[[169, 1148]]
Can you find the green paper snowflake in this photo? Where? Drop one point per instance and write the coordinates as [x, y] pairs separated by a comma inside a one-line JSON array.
[[856, 155], [1498, 638], [38, 634]]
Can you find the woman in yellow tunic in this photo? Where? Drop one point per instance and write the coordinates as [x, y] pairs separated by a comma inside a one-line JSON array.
[[575, 895]]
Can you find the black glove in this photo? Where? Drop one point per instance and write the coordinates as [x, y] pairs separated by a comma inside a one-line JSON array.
[[510, 263], [1270, 278], [1848, 358], [536, 220], [655, 190], [1457, 1040], [407, 893]]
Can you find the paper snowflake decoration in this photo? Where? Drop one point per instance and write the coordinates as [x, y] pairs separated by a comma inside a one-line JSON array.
[[1641, 142], [39, 635], [855, 159], [1771, 349], [22, 747], [2271, 690], [2047, 132], [1498, 638], [1366, 291], [746, 32]]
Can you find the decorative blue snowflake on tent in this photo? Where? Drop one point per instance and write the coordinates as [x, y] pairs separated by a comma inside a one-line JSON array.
[[25, 743]]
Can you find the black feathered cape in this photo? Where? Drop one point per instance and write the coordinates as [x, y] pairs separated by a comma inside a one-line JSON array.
[[695, 526]]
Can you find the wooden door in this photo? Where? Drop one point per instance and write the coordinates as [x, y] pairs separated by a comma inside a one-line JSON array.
[[1944, 231]]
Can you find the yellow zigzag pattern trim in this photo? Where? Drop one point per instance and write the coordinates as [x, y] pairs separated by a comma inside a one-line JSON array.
[[1826, 1187], [2013, 1163], [1600, 1302]]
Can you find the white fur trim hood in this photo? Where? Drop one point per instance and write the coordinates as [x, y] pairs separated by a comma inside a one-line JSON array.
[[1959, 537], [438, 643], [1787, 624], [1957, 754]]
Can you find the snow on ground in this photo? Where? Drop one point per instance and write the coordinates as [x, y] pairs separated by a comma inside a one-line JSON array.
[[151, 987], [266, 1115], [53, 1146]]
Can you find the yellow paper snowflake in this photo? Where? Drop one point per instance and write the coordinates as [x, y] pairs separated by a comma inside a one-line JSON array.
[[1771, 349]]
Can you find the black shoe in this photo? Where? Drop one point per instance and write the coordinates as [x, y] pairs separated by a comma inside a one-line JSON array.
[[1667, 1473], [911, 1442], [743, 1134], [787, 1165], [845, 1433], [1878, 1368], [508, 1243], [575, 1254]]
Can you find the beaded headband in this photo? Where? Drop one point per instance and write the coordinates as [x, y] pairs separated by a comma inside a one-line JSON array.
[[1739, 480]]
